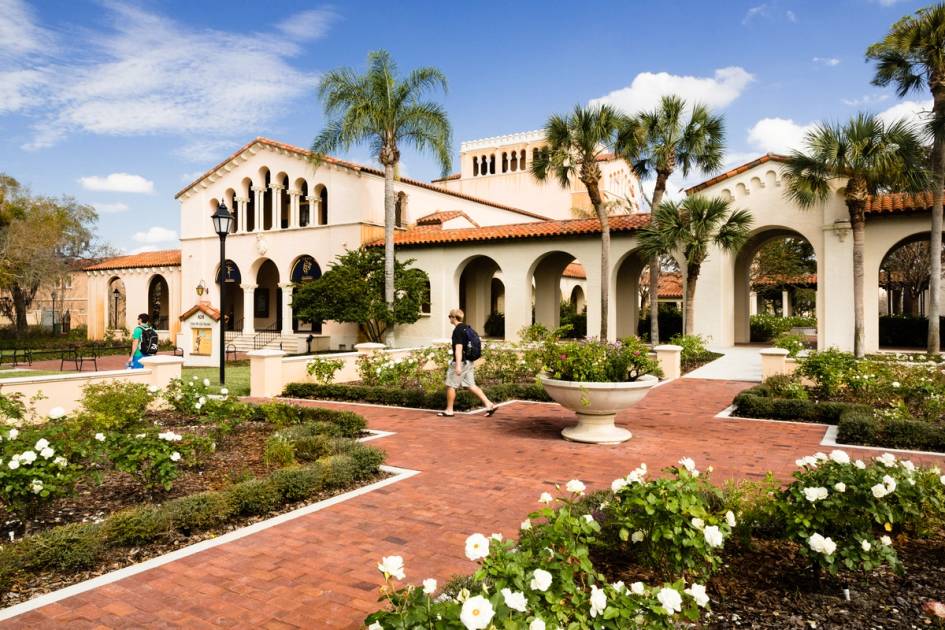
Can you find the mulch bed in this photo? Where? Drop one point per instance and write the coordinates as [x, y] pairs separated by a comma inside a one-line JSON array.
[[766, 586]]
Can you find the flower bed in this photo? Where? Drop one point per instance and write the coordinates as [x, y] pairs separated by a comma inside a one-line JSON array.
[[655, 553], [886, 403], [417, 398], [120, 481]]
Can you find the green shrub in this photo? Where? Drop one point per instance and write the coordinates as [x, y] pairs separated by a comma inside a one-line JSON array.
[[785, 386], [495, 325], [465, 400], [749, 404], [574, 321], [349, 423], [254, 497], [155, 459], [367, 459], [599, 361], [765, 327], [670, 321], [830, 370], [199, 512], [136, 526], [279, 414], [905, 331], [794, 344], [70, 547], [865, 427], [323, 370], [115, 406], [297, 483], [279, 451]]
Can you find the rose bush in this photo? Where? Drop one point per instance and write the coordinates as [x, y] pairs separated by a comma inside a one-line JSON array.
[[599, 361]]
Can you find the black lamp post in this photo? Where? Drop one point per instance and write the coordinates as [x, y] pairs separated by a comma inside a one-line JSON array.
[[117, 294], [222, 219]]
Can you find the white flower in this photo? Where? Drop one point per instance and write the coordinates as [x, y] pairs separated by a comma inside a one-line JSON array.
[[170, 436], [907, 464], [698, 523], [153, 389], [61, 461], [697, 592], [36, 486], [815, 494], [139, 435], [526, 524], [840, 486], [887, 459], [879, 491], [56, 412], [47, 452], [541, 580], [839, 456], [14, 463], [496, 536], [545, 498], [28, 457], [889, 482], [206, 382], [175, 456], [202, 400], [575, 487], [100, 437], [618, 484], [896, 384], [821, 457], [637, 536], [392, 565], [477, 612], [670, 599], [619, 586], [807, 460], [637, 588], [514, 599], [886, 540], [589, 518], [537, 624], [688, 464], [224, 391], [712, 536], [636, 475], [942, 479], [41, 443], [429, 586], [598, 601], [13, 434], [865, 545], [822, 545], [859, 464], [730, 518], [195, 378], [197, 406], [477, 547], [375, 626]]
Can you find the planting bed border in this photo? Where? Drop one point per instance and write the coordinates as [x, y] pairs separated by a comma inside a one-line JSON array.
[[412, 399]]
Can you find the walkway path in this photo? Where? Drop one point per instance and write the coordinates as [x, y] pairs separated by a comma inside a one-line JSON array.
[[478, 475], [740, 363]]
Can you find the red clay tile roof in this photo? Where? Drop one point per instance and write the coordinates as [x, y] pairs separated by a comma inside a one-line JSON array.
[[895, 203], [423, 235], [670, 285], [162, 258], [807, 278], [442, 216], [574, 270], [767, 157], [448, 178], [203, 307], [359, 168]]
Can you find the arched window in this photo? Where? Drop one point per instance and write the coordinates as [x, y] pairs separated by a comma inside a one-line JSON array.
[[505, 161], [400, 209], [305, 206], [323, 206], [250, 221], [521, 161], [534, 154], [229, 197], [158, 302], [426, 302], [475, 166], [492, 164], [267, 202], [285, 201], [304, 270], [514, 164], [116, 303]]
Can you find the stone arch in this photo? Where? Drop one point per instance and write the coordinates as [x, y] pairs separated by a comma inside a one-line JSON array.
[[475, 165], [544, 276], [246, 187], [321, 194], [268, 201], [117, 304], [283, 211], [577, 298], [625, 293], [474, 289], [229, 198], [305, 205], [232, 296], [159, 300], [267, 297], [305, 269]]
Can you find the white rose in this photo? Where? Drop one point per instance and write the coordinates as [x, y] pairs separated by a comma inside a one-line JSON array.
[[889, 482], [545, 498], [224, 391], [859, 464], [202, 400], [375, 626], [393, 566], [56, 412], [537, 624], [730, 518], [29, 457], [712, 536], [100, 437], [61, 461], [13, 464], [619, 586], [36, 486], [575, 487], [821, 544], [895, 384], [670, 599], [526, 524], [840, 486], [690, 465], [598, 601], [886, 540], [839, 456], [41, 444], [429, 586], [908, 465], [879, 491], [13, 434], [698, 523], [496, 536], [697, 592], [887, 459], [477, 547], [541, 580], [637, 588], [514, 599], [175, 456], [206, 382], [637, 536], [618, 484], [815, 494], [589, 518], [942, 479], [477, 612], [47, 452], [865, 545]]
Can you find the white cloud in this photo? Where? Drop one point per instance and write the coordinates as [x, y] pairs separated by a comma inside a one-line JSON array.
[[866, 99], [778, 135], [155, 235], [110, 208], [761, 10], [737, 158], [887, 3], [826, 61], [791, 17], [767, 11], [118, 182], [916, 112], [206, 151], [148, 74], [308, 25], [646, 89], [19, 32]]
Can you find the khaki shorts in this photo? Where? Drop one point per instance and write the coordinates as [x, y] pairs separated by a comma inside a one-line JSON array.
[[466, 378]]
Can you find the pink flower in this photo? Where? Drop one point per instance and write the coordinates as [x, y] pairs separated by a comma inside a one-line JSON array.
[[933, 608]]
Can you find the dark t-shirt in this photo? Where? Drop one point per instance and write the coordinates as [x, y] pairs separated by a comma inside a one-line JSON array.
[[459, 338]]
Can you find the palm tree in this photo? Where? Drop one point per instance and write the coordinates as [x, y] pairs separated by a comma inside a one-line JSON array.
[[912, 56], [660, 141], [865, 157], [690, 227], [386, 111], [575, 142]]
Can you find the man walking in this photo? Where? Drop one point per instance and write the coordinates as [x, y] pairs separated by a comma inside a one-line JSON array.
[[466, 347]]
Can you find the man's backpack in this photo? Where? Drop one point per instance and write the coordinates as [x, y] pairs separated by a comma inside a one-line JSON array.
[[472, 349], [149, 341]]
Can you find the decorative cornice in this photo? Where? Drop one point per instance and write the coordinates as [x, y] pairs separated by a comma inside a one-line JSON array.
[[498, 141]]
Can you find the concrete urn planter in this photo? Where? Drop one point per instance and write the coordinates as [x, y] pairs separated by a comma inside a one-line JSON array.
[[596, 405]]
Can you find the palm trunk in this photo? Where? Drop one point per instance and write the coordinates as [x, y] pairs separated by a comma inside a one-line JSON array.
[[692, 276], [935, 241], [594, 193], [859, 331], [390, 202], [658, 191]]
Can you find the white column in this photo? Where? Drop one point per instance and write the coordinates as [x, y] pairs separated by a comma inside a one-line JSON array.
[[276, 205], [314, 209], [286, 308], [258, 208], [249, 325], [241, 203], [785, 303], [294, 197], [752, 303]]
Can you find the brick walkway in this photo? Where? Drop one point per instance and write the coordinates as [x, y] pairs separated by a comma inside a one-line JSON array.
[[478, 474]]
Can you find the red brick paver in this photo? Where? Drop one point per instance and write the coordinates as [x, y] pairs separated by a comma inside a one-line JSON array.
[[478, 475]]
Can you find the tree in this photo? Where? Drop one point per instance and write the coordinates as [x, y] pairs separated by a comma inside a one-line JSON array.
[[574, 143], [907, 268], [781, 262], [387, 112], [863, 157], [690, 227], [660, 141], [39, 237], [912, 56], [352, 290]]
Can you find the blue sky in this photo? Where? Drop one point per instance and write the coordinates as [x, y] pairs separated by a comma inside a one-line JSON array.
[[121, 104]]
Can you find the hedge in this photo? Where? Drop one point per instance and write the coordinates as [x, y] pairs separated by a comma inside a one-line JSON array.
[[416, 398], [757, 403], [905, 331], [348, 423], [670, 322], [81, 546]]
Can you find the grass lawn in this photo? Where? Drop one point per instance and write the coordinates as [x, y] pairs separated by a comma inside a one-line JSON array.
[[24, 373], [237, 376]]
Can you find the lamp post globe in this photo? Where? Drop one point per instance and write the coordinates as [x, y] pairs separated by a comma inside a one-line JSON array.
[[222, 220]]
